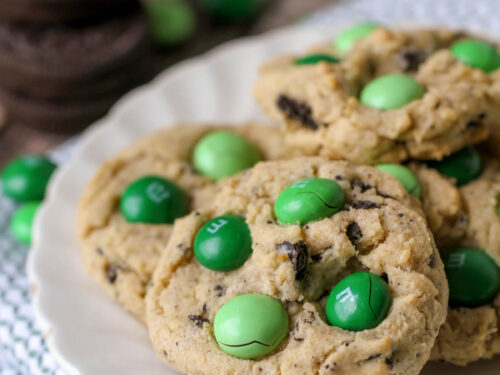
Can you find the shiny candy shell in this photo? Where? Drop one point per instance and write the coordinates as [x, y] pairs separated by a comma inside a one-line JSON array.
[[391, 91], [21, 223], [307, 200], [153, 200], [223, 154], [404, 175], [464, 165], [251, 326], [223, 243], [26, 178], [473, 277], [344, 42], [358, 302], [477, 54], [314, 59]]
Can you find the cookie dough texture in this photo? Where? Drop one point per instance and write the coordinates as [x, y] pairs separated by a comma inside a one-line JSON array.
[[472, 334], [319, 109], [121, 256], [380, 230], [442, 204]]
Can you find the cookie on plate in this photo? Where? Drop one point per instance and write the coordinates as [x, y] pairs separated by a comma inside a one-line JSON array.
[[396, 95], [472, 328], [243, 289], [126, 212]]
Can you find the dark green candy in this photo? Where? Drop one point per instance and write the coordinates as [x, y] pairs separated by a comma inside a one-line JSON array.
[[477, 54], [307, 200], [464, 165], [404, 175], [153, 200], [231, 11], [314, 59], [358, 302], [223, 243], [473, 277], [251, 326], [170, 21], [26, 178], [391, 91], [21, 223]]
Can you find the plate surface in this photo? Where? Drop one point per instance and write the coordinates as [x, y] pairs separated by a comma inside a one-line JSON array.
[[87, 332]]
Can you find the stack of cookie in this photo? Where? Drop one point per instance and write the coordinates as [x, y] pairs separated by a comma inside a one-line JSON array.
[[254, 250], [63, 63]]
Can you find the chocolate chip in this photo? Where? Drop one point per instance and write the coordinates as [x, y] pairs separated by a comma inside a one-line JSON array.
[[362, 186], [384, 277], [477, 121], [339, 177], [389, 362], [165, 353], [220, 290], [354, 233], [111, 273], [297, 111], [412, 58], [383, 195], [374, 356], [299, 339], [198, 320], [298, 255], [432, 261], [317, 257], [364, 205]]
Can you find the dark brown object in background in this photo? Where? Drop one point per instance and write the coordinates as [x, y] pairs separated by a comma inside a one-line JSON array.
[[50, 11], [18, 140]]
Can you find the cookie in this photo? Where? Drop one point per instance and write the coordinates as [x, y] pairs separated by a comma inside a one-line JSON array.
[[471, 331], [50, 11], [192, 309], [120, 251], [396, 95]]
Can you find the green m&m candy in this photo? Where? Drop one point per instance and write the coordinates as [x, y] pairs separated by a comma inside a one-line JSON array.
[[170, 21], [223, 154], [391, 91], [26, 178], [250, 326], [348, 37], [231, 11], [473, 277], [314, 59], [404, 175], [464, 165], [359, 301], [153, 200], [477, 54], [223, 243], [21, 222], [309, 200]]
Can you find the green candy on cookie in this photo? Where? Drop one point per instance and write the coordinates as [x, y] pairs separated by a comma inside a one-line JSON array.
[[358, 302], [251, 326]]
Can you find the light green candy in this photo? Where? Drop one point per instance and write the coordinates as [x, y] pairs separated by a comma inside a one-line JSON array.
[[477, 54], [223, 153], [404, 175], [391, 91], [251, 326], [21, 223], [346, 38]]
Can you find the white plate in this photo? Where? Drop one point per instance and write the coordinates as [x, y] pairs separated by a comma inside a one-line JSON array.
[[87, 332]]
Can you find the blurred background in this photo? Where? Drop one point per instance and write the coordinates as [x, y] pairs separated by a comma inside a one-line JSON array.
[[64, 63]]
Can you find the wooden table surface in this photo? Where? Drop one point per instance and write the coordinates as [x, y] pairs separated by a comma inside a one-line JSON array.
[[17, 139]]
